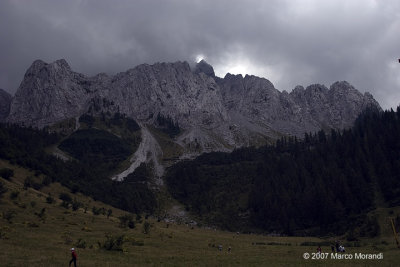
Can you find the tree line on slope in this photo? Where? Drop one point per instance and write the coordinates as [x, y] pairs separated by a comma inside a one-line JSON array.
[[325, 183], [90, 175]]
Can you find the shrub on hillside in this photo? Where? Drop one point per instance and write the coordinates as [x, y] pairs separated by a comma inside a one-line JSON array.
[[9, 215], [65, 197], [30, 182], [146, 228], [76, 204], [133, 241], [6, 173], [3, 189], [42, 214], [46, 181], [50, 199], [75, 189], [32, 224], [126, 221], [66, 200], [113, 242], [98, 211], [80, 243], [4, 232], [14, 195]]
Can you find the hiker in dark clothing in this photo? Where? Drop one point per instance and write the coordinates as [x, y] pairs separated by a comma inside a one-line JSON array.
[[74, 256]]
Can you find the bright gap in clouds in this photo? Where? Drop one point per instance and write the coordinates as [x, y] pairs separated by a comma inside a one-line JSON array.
[[199, 58], [244, 66]]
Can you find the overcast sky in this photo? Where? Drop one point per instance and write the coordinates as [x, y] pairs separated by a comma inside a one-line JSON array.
[[292, 42]]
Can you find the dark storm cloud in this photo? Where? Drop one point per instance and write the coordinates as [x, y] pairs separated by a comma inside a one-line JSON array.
[[289, 42]]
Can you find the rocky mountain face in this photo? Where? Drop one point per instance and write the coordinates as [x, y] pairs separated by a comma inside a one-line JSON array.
[[5, 101], [302, 110], [214, 113], [49, 93]]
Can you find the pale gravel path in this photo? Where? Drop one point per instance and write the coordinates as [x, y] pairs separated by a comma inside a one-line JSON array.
[[148, 151]]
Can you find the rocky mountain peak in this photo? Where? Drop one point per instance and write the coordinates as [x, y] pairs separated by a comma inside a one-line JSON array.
[[230, 76], [36, 66], [204, 67], [41, 68], [342, 87], [316, 89], [48, 93], [298, 90], [61, 64]]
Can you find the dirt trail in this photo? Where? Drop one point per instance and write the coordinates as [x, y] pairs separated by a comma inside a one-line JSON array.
[[77, 124], [60, 154]]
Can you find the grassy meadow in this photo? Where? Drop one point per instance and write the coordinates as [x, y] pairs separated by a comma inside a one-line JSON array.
[[36, 230]]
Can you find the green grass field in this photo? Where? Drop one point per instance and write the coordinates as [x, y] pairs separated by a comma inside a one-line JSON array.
[[31, 237]]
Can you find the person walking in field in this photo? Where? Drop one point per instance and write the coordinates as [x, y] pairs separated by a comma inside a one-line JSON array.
[[74, 256]]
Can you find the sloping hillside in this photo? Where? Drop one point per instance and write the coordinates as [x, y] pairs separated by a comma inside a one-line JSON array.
[[89, 172], [324, 184], [38, 227]]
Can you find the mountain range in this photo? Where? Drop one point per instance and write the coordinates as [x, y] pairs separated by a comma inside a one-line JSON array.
[[218, 113], [211, 113]]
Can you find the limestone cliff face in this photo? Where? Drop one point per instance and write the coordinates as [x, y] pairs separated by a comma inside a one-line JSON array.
[[5, 101], [257, 102], [49, 93], [215, 113]]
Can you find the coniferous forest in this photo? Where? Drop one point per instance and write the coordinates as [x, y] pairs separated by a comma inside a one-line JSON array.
[[323, 184], [98, 152]]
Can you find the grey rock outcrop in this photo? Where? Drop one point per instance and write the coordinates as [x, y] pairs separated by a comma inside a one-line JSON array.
[[214, 113], [49, 93], [204, 67], [5, 101]]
